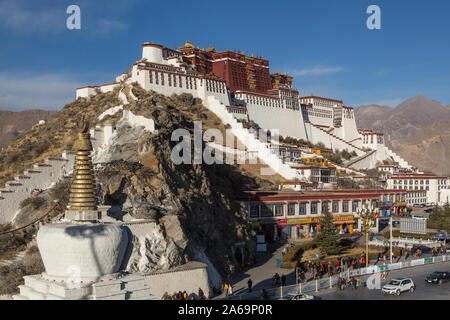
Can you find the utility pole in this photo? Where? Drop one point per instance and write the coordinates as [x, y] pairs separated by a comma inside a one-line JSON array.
[[367, 215], [390, 235]]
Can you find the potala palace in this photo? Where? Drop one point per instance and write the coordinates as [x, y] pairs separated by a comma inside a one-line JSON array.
[[243, 86]]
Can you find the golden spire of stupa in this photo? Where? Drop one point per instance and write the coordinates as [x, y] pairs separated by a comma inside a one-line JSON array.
[[83, 192]]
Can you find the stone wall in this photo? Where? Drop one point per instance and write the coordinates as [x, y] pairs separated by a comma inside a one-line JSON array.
[[188, 277]]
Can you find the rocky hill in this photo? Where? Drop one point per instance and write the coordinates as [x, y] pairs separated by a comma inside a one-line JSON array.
[[13, 124], [192, 205], [417, 129]]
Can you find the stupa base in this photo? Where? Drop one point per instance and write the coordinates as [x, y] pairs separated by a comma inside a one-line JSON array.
[[126, 287]]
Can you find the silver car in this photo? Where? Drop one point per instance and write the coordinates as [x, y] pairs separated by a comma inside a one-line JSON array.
[[397, 286]]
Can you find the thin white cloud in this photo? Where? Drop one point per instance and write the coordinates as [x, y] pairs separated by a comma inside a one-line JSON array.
[[16, 17], [316, 71], [19, 91], [22, 17], [386, 102], [105, 26]]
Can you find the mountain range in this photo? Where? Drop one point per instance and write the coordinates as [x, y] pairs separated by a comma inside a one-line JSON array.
[[418, 129], [13, 124]]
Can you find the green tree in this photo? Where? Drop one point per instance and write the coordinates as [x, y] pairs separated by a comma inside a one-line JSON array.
[[440, 217], [327, 238]]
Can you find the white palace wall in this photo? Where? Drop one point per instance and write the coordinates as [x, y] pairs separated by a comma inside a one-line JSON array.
[[289, 122], [40, 176], [198, 87]]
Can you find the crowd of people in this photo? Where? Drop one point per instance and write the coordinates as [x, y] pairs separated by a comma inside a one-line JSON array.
[[185, 296]]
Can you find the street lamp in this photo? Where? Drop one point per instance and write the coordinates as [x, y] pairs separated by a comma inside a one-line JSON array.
[[367, 214]]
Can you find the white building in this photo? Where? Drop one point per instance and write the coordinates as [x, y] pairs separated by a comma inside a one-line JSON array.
[[432, 184]]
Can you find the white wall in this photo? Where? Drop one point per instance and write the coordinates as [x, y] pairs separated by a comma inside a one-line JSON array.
[[40, 176]]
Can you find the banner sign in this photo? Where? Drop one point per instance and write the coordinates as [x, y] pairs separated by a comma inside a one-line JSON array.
[[429, 260], [369, 270], [387, 204], [394, 266], [417, 262]]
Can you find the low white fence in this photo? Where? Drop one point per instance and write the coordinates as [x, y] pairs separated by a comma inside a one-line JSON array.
[[406, 243]]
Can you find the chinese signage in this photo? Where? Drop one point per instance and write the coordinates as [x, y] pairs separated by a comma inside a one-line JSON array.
[[387, 204], [337, 219]]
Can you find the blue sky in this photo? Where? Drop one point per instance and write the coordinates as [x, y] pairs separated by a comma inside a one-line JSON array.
[[324, 44]]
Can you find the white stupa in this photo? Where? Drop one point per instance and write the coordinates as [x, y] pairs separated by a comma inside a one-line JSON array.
[[82, 254]]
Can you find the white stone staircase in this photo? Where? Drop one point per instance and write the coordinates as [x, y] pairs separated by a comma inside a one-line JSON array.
[[402, 163], [40, 176], [249, 141]]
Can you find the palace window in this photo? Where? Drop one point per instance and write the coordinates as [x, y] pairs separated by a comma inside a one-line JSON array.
[[291, 209], [254, 211], [314, 207], [266, 210], [345, 206], [355, 205], [151, 76], [302, 208], [335, 206], [156, 78], [279, 210], [180, 82], [325, 206], [162, 78], [169, 77]]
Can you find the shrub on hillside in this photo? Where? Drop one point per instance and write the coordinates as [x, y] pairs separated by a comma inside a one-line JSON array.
[[294, 254], [36, 202]]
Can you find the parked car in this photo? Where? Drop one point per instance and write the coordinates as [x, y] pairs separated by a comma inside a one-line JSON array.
[[438, 277], [397, 286], [302, 296]]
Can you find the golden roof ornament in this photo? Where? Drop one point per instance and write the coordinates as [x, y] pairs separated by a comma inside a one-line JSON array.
[[83, 191]]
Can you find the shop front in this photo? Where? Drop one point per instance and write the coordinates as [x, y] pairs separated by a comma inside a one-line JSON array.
[[299, 228], [345, 223], [386, 208], [400, 209]]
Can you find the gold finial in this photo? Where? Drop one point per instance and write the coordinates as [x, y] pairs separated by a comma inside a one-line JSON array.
[[83, 191]]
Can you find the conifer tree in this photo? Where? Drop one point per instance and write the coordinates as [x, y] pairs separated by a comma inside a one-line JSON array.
[[327, 238]]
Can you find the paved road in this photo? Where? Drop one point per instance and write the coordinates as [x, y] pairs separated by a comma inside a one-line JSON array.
[[423, 290]]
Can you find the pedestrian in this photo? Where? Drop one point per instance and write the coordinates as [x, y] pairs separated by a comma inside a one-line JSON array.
[[225, 288], [283, 280], [264, 294], [165, 296], [230, 290], [250, 283], [201, 294], [302, 276], [185, 295]]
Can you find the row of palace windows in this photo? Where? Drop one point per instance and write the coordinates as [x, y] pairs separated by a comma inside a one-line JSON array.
[[215, 86], [190, 82], [277, 210]]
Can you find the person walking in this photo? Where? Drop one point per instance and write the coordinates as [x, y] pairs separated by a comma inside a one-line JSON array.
[[283, 280], [201, 295], [225, 288], [230, 290], [250, 283], [264, 294], [302, 276]]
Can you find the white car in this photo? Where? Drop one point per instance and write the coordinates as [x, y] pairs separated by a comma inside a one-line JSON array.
[[397, 286], [301, 296]]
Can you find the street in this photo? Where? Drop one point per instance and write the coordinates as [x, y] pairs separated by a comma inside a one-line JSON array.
[[424, 291]]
